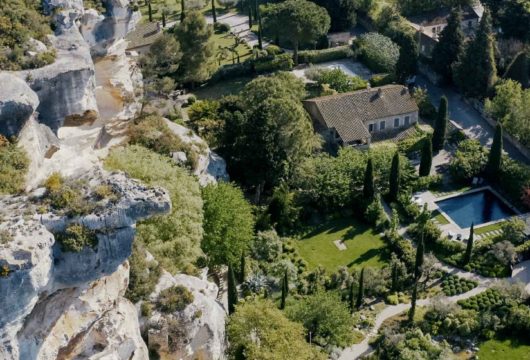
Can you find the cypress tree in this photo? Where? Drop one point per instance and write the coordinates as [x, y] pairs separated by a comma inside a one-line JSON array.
[[469, 248], [260, 34], [412, 310], [249, 15], [440, 127], [182, 10], [150, 11], [407, 63], [232, 291], [495, 156], [426, 158], [476, 72], [214, 12], [393, 286], [285, 290], [419, 258], [369, 187], [360, 292], [242, 269], [395, 176], [449, 46], [351, 298]]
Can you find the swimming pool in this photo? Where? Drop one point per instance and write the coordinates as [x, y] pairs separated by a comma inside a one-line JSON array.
[[478, 207]]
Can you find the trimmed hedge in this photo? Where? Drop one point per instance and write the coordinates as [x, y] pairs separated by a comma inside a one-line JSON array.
[[318, 56], [453, 285], [282, 62], [270, 63], [484, 301]]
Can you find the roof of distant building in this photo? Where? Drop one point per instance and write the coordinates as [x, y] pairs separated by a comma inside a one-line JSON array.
[[440, 16], [348, 112], [143, 35]]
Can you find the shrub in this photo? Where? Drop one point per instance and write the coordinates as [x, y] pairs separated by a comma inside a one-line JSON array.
[[392, 299], [282, 62], [221, 28], [143, 275], [76, 237], [427, 109], [5, 237], [174, 299], [453, 285], [146, 309], [379, 52], [66, 195], [319, 56], [484, 301], [336, 79], [191, 99], [382, 79], [14, 165], [273, 50]]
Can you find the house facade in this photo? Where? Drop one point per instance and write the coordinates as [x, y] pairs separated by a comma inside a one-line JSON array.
[[361, 117], [429, 25]]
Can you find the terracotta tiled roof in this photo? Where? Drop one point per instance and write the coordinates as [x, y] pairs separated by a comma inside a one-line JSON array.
[[348, 112], [440, 16], [144, 34]]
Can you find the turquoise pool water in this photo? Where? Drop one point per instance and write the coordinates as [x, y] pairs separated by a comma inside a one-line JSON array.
[[478, 207]]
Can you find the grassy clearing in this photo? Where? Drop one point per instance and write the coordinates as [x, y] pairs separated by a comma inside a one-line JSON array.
[[438, 216], [506, 349], [364, 247], [174, 9], [222, 88], [227, 41]]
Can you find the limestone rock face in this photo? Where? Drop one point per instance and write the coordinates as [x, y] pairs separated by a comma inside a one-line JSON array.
[[55, 302], [17, 104], [201, 325]]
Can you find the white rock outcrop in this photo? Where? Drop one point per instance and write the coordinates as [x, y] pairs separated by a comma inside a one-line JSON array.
[[52, 300], [201, 330], [17, 104]]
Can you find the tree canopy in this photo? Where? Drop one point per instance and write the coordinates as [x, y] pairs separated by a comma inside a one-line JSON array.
[[449, 46]]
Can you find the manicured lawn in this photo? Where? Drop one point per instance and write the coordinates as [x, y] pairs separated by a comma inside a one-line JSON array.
[[174, 9], [506, 349], [226, 41], [222, 88], [488, 228], [442, 220], [364, 247]]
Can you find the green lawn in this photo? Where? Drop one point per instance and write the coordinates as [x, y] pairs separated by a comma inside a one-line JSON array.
[[174, 9], [222, 88], [364, 247], [488, 228], [440, 218], [226, 41], [506, 349]]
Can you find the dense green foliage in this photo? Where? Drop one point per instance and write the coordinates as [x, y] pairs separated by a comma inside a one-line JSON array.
[[228, 223], [296, 21], [68, 196], [14, 165], [378, 52], [325, 316], [440, 126], [76, 237], [493, 166], [453, 285], [336, 79], [426, 158], [449, 46], [413, 343], [476, 70], [21, 21], [342, 13], [482, 301], [174, 299], [143, 275], [394, 178], [468, 161], [513, 17], [259, 331], [318, 56], [173, 239], [413, 7], [232, 290]]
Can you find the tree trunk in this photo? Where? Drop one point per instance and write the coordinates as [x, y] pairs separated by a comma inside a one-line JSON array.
[[214, 12]]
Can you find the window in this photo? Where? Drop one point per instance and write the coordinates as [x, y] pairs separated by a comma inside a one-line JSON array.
[[396, 122], [382, 125], [407, 120], [371, 127]]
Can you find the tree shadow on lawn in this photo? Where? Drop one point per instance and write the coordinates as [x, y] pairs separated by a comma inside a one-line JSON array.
[[368, 255], [334, 226]]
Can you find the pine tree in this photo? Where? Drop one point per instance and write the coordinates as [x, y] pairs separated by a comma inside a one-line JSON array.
[[351, 298], [426, 158], [360, 292], [476, 71], [440, 127], [285, 290], [394, 180], [242, 269], [232, 290], [419, 259], [214, 12], [469, 248], [495, 156], [412, 310], [369, 187], [449, 46]]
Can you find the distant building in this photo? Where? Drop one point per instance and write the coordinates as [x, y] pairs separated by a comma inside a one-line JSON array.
[[143, 36], [361, 117], [429, 25]]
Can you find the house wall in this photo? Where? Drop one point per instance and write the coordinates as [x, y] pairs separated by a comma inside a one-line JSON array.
[[430, 34], [389, 122]]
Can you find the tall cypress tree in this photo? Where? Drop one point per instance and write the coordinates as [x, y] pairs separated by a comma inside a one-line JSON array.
[[412, 310], [242, 269], [420, 250], [360, 292], [285, 290], [351, 298], [249, 15], [495, 156], [232, 290], [182, 10], [440, 127], [476, 71], [449, 46], [469, 248], [426, 158], [369, 186], [150, 11], [214, 12], [395, 177], [394, 286], [407, 63], [260, 33]]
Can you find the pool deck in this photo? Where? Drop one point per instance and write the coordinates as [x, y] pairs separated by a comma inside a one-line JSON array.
[[430, 199]]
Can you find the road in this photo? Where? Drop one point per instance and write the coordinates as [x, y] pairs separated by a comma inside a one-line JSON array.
[[467, 117]]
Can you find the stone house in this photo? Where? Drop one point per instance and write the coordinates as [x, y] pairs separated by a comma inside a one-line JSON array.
[[430, 24], [360, 117], [143, 36]]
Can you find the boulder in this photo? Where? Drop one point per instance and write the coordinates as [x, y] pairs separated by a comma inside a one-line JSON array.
[[17, 104]]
